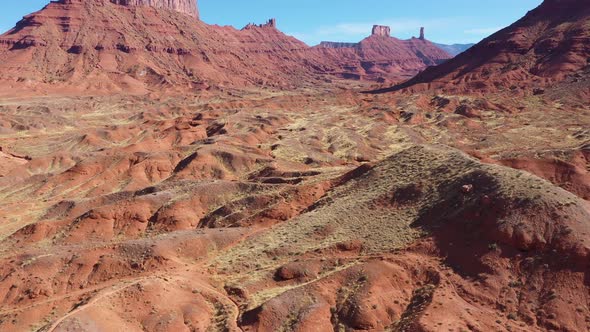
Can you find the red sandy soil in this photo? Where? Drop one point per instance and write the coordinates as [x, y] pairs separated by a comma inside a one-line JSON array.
[[278, 205], [9, 161], [261, 213]]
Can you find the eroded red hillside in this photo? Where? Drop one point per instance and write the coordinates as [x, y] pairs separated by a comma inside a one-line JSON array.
[[549, 45], [99, 46], [78, 46], [267, 196]]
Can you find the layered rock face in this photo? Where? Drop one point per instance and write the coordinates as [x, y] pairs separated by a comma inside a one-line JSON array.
[[69, 42], [271, 23], [189, 7], [145, 48], [184, 6], [381, 30]]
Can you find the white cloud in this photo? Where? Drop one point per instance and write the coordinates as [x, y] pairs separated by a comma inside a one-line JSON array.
[[448, 30]]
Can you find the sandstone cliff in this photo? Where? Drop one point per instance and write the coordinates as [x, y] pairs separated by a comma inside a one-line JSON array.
[[94, 45], [189, 7], [381, 30]]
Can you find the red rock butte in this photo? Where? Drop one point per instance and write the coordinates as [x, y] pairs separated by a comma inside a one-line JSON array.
[[381, 57], [381, 30], [189, 7]]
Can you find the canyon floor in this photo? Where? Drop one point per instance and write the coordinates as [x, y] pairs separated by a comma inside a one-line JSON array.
[[315, 209]]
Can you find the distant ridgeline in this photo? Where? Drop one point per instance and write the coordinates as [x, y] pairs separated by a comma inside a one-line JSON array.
[[378, 30], [271, 23]]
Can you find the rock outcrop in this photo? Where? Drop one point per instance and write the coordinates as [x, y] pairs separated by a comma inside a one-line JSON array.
[[422, 33], [381, 30], [271, 23], [189, 7]]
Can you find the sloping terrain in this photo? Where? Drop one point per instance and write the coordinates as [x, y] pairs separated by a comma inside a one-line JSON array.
[[189, 7], [267, 211], [102, 47], [499, 216], [252, 202], [550, 44]]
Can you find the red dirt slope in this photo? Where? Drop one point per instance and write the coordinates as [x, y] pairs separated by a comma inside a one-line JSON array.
[[548, 45]]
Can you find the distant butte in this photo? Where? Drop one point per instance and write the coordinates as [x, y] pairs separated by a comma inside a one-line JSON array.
[[381, 57], [271, 23]]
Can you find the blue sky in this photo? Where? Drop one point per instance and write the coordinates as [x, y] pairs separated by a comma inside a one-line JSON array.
[[446, 21]]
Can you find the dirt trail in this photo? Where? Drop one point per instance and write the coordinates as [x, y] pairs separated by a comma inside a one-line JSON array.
[[92, 301]]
